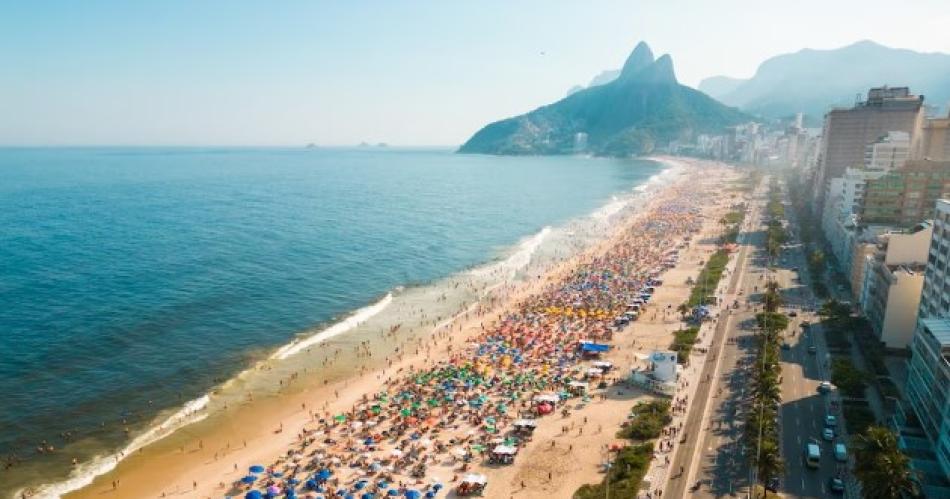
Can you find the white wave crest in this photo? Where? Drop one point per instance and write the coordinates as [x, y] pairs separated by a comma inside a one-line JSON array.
[[85, 473], [517, 260], [611, 208], [355, 319]]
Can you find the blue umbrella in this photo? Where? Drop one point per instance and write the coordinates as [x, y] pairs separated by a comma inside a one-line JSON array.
[[367, 496], [324, 474], [293, 481], [311, 484], [430, 494], [276, 474], [392, 493], [359, 485], [253, 495], [437, 487], [249, 479], [256, 469], [412, 494], [349, 496]]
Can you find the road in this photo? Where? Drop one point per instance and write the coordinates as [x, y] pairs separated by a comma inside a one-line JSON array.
[[720, 443], [712, 452], [803, 407]]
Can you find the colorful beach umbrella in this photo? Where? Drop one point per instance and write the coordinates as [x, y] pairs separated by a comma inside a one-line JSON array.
[[256, 469]]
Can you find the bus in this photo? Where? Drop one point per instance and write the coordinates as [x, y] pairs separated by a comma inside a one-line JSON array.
[[812, 455]]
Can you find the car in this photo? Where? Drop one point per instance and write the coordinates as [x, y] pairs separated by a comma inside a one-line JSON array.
[[806, 323], [831, 421], [812, 349], [793, 314], [828, 434], [824, 387], [794, 269], [841, 453], [836, 484], [786, 346]]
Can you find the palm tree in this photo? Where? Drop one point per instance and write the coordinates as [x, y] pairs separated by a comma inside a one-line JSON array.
[[683, 309], [881, 466]]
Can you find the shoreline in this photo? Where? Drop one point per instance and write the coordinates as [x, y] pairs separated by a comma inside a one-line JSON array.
[[307, 387]]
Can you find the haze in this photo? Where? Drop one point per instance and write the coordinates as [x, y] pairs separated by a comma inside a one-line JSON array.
[[406, 73]]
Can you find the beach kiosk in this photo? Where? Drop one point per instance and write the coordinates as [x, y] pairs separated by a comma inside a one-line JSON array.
[[472, 484], [503, 454]]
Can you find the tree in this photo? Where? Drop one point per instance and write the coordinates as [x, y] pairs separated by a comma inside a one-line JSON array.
[[772, 299], [683, 309], [881, 466]]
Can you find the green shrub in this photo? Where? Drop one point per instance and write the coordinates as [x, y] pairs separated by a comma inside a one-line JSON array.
[[625, 476]]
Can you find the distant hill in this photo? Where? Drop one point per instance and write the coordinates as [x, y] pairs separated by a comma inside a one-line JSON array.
[[811, 81], [644, 107]]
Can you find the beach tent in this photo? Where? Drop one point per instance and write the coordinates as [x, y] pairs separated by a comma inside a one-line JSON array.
[[505, 450]]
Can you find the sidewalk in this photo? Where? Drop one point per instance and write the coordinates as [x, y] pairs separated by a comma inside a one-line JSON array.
[[659, 472]]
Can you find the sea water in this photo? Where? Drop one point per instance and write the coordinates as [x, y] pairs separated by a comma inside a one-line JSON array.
[[133, 281]]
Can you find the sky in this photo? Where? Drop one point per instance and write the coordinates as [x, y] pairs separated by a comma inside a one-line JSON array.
[[403, 72]]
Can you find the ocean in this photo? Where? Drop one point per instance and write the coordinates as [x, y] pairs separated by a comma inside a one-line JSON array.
[[134, 281]]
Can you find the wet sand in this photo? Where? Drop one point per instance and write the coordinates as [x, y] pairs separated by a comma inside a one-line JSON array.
[[203, 459]]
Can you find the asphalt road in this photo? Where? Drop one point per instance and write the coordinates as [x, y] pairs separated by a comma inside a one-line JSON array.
[[713, 426], [711, 452]]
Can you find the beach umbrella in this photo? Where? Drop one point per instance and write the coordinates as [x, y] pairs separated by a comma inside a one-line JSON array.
[[256, 469], [430, 494], [311, 484], [249, 479], [253, 495], [392, 493], [324, 474], [412, 494], [359, 485], [276, 474]]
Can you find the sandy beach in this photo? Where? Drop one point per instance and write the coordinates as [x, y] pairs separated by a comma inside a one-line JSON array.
[[352, 415]]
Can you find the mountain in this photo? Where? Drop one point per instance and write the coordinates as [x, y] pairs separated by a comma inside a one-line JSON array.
[[644, 107], [811, 81], [605, 76]]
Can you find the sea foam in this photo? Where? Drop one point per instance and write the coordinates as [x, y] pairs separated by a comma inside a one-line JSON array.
[[85, 473], [354, 320]]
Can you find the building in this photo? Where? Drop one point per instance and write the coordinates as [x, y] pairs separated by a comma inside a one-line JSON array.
[[907, 195], [924, 420], [848, 131], [893, 277], [888, 152], [924, 417], [935, 140]]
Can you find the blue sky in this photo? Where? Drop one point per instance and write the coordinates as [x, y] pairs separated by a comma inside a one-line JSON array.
[[407, 73]]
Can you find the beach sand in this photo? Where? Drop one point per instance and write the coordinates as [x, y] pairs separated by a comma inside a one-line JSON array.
[[204, 459]]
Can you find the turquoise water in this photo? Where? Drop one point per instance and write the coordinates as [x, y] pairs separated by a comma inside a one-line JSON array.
[[133, 279]]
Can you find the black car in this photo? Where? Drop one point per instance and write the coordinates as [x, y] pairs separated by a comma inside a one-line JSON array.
[[836, 484], [772, 484]]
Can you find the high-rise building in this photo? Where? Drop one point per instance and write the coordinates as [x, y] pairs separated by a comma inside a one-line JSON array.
[[848, 131], [924, 416], [935, 140], [893, 276], [888, 152], [905, 196]]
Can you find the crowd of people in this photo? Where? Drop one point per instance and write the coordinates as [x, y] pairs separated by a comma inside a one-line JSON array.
[[477, 407]]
